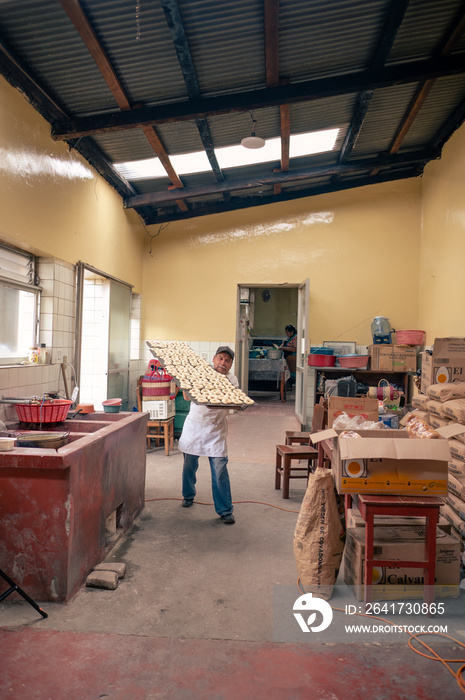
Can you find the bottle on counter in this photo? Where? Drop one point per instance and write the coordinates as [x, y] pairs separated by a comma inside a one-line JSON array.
[[43, 354], [33, 354]]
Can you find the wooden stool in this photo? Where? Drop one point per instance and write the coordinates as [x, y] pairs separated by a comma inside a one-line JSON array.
[[425, 506], [284, 456], [161, 430]]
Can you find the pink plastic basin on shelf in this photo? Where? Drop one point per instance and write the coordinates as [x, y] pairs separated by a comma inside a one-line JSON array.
[[410, 337], [353, 361], [315, 360]]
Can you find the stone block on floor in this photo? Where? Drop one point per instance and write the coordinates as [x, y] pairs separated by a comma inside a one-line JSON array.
[[102, 579], [118, 567]]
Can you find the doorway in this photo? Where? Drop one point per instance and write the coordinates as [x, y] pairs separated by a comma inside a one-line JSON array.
[[102, 337], [263, 312]]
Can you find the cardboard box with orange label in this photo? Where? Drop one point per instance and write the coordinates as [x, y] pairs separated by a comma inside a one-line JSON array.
[[446, 364], [405, 543], [387, 462], [353, 406]]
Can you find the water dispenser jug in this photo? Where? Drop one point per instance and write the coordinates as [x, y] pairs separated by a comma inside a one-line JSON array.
[[381, 330]]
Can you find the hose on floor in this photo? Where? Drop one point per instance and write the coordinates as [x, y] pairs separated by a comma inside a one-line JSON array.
[[262, 503], [434, 656]]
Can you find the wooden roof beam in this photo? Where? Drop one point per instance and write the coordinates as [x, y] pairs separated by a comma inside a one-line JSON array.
[[320, 88], [447, 45], [399, 160], [85, 30], [181, 45]]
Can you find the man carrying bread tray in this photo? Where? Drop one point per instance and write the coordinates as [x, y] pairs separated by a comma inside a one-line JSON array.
[[204, 434]]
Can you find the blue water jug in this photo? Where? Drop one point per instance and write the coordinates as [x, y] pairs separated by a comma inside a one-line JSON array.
[[381, 330]]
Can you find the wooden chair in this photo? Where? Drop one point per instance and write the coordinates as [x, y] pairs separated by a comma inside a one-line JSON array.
[[298, 447], [158, 429], [295, 437], [286, 454]]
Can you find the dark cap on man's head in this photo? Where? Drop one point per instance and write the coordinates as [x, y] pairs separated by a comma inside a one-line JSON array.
[[225, 348]]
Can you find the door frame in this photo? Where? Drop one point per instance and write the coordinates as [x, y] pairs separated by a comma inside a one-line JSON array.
[[83, 269], [302, 352], [302, 340]]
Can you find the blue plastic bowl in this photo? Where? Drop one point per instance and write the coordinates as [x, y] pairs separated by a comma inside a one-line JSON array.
[[321, 351]]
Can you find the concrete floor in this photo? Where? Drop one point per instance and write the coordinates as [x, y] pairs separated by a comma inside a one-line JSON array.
[[193, 617]]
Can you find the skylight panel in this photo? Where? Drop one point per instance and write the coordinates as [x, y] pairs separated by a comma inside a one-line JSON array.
[[231, 156]]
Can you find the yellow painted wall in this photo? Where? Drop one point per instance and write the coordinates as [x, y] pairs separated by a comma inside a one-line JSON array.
[[394, 249], [360, 249], [53, 203], [442, 280]]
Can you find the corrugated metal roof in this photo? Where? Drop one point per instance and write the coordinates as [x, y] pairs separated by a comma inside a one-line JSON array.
[[168, 56], [317, 39], [425, 24]]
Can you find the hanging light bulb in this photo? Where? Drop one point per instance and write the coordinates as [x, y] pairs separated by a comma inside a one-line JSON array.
[[253, 141]]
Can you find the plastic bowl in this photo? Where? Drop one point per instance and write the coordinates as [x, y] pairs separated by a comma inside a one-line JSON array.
[[315, 350], [315, 360], [112, 405], [112, 409], [410, 337], [353, 361]]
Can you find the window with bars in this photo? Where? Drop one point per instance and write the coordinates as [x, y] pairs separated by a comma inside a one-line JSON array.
[[19, 304]]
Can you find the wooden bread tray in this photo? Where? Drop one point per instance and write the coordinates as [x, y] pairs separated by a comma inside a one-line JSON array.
[[194, 375]]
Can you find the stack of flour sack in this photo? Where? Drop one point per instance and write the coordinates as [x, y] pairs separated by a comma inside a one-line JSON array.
[[443, 408]]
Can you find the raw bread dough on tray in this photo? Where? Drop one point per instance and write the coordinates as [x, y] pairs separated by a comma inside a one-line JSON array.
[[193, 374]]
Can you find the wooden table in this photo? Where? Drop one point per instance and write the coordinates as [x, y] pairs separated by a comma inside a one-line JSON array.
[[372, 505], [424, 506], [161, 430]]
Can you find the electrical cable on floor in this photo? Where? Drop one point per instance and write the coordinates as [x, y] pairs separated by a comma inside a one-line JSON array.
[[262, 503], [458, 675]]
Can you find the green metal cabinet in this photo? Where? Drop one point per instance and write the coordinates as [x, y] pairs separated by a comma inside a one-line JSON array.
[[182, 409]]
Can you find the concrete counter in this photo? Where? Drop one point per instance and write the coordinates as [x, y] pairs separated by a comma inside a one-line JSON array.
[[55, 504]]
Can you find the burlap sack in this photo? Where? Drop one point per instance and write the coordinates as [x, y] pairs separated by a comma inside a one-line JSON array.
[[319, 535], [459, 436], [456, 485], [457, 449], [417, 413], [434, 408], [419, 401], [447, 392], [455, 410], [436, 422], [456, 467], [453, 518]]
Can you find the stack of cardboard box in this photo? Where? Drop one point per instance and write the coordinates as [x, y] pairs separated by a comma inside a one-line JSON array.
[[393, 358], [388, 462], [441, 403]]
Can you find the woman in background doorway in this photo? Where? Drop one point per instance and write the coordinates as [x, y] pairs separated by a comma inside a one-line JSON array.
[[289, 348]]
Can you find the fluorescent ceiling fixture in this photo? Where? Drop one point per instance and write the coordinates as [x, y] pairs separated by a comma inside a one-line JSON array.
[[231, 156]]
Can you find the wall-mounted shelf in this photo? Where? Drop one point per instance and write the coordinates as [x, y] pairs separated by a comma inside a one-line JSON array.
[[366, 376]]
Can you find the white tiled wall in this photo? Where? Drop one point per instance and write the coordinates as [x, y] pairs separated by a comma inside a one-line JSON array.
[[58, 308], [57, 328]]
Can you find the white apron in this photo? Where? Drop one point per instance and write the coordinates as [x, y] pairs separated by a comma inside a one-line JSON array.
[[205, 429]]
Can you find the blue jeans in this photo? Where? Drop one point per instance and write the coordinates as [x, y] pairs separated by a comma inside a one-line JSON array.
[[221, 488]]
